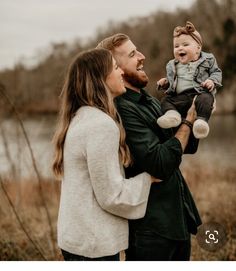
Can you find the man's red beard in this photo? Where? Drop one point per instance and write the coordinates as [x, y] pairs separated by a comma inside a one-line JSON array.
[[135, 80]]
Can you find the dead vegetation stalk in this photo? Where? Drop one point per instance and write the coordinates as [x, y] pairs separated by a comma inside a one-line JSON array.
[[3, 93], [20, 221]]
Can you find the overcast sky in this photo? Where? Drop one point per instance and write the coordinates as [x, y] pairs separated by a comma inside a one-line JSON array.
[[27, 26]]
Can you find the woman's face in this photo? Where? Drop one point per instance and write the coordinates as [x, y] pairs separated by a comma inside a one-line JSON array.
[[115, 80]]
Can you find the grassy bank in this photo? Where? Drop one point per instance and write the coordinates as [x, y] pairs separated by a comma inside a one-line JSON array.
[[212, 188], [27, 200]]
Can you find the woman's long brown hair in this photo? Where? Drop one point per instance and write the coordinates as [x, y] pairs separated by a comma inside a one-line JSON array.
[[85, 85]]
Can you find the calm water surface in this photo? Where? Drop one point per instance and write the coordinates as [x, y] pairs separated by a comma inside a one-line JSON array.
[[218, 149]]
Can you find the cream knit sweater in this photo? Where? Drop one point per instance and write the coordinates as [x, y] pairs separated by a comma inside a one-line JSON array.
[[96, 200]]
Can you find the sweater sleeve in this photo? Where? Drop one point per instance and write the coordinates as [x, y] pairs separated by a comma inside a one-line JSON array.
[[123, 197]]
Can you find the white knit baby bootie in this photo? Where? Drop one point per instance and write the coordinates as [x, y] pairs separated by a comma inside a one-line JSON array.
[[200, 128], [171, 118]]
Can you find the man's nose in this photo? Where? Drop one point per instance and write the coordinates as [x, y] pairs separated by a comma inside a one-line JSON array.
[[141, 56]]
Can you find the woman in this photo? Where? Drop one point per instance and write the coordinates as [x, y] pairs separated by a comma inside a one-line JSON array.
[[90, 152]]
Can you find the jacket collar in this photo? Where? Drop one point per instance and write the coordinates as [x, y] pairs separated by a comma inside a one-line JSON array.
[[137, 97]]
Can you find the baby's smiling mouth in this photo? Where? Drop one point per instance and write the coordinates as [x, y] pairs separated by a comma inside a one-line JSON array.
[[182, 54]]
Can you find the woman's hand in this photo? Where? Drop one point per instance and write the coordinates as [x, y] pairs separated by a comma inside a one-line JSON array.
[[155, 180]]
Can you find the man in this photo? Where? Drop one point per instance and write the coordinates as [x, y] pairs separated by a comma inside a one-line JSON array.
[[171, 215]]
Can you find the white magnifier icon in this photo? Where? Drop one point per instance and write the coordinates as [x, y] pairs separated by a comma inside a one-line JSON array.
[[211, 236]]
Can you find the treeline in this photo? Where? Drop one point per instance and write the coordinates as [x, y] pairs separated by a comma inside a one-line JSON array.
[[37, 89]]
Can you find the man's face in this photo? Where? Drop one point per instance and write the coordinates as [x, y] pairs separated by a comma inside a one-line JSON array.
[[131, 61]]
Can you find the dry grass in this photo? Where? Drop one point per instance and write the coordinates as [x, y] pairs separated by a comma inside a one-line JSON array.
[[213, 190], [25, 195]]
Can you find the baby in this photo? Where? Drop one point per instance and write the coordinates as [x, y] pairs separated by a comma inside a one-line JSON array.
[[192, 72]]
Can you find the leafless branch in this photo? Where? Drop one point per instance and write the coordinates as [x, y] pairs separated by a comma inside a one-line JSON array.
[[19, 220], [7, 152], [3, 93]]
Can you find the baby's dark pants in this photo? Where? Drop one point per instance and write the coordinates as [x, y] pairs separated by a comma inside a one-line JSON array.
[[182, 102]]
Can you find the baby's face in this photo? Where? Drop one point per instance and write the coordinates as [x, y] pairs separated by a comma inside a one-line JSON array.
[[186, 49]]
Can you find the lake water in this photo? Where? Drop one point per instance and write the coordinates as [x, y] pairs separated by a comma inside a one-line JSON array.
[[218, 149]]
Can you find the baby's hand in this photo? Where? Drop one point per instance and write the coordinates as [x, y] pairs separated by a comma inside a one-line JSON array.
[[162, 83], [209, 84]]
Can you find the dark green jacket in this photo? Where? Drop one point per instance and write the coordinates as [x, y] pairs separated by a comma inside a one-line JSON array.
[[171, 211]]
